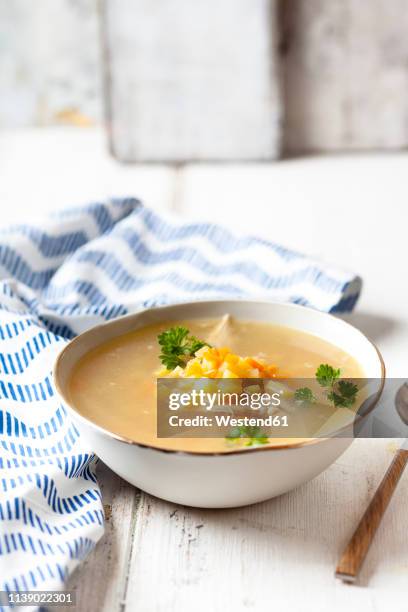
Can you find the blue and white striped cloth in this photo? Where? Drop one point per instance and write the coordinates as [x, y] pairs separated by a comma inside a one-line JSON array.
[[58, 278]]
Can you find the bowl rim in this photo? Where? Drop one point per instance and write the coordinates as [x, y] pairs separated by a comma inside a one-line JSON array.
[[248, 450]]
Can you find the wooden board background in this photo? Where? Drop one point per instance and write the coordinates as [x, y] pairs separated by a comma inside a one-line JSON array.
[[50, 63], [346, 78], [211, 79], [193, 80]]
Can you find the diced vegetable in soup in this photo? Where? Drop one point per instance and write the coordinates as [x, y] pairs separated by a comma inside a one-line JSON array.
[[114, 385]]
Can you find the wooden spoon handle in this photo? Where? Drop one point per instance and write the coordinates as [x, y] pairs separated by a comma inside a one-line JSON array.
[[356, 550]]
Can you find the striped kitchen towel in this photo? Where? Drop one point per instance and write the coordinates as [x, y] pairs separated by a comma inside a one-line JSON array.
[[58, 278]]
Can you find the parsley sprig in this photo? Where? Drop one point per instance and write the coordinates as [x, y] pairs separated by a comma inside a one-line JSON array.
[[342, 393], [252, 434], [326, 376], [178, 346], [304, 394]]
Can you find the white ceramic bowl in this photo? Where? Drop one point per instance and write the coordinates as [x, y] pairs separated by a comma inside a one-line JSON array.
[[218, 480]]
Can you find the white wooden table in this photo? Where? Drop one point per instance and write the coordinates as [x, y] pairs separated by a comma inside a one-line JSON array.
[[281, 553]]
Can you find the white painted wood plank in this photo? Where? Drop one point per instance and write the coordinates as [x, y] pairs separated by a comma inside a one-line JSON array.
[[50, 62], [100, 581], [193, 80], [346, 82], [280, 553]]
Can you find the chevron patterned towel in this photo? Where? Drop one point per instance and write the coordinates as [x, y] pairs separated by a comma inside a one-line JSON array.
[[64, 275]]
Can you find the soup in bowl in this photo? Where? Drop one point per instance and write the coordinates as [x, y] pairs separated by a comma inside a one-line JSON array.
[[107, 378]]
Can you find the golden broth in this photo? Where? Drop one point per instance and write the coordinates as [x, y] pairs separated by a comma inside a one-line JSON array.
[[114, 384]]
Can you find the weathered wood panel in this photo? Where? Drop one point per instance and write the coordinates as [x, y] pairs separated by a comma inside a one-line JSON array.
[[346, 77], [50, 62], [201, 80], [193, 80], [100, 582]]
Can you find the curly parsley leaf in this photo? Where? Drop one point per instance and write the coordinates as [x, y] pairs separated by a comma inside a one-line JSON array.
[[304, 394], [344, 394], [337, 399], [347, 389], [326, 375], [177, 347]]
